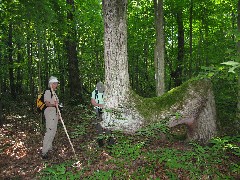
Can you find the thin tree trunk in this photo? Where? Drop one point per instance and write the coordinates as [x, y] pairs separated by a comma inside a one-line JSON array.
[[10, 59], [238, 46], [136, 72], [1, 104], [39, 67], [1, 90], [30, 75], [159, 48], [206, 43], [146, 49], [238, 104], [179, 69], [71, 48], [190, 38], [170, 60], [45, 76], [62, 71], [19, 71], [40, 88]]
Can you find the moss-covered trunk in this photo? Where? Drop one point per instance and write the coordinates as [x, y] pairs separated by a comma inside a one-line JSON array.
[[193, 101], [191, 104]]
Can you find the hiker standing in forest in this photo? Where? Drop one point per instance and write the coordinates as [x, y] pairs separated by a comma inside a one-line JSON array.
[[97, 100], [51, 115]]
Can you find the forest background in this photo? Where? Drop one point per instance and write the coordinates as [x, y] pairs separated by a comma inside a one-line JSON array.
[[65, 39], [43, 38]]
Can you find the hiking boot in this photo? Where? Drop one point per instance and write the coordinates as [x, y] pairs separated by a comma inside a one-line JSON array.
[[100, 142], [45, 156], [111, 141]]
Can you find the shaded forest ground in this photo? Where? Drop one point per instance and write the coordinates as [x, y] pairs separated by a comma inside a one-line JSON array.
[[143, 156]]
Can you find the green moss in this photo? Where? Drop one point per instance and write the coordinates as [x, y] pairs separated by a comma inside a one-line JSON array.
[[147, 107]]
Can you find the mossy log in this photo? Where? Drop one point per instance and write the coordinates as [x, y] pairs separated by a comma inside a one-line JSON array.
[[192, 104]]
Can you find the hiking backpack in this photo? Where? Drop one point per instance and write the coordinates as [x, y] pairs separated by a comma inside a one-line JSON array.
[[96, 99], [96, 95], [41, 106]]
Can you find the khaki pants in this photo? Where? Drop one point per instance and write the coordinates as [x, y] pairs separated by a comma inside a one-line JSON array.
[[51, 128]]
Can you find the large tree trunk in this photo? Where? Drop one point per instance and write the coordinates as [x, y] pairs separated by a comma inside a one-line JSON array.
[[194, 100], [122, 115], [115, 53], [198, 112], [192, 104], [159, 48]]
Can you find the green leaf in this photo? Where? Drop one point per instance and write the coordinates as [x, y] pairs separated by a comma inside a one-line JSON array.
[[232, 70], [231, 63]]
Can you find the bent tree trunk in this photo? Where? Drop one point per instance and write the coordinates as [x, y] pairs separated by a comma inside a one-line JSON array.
[[193, 101], [191, 104]]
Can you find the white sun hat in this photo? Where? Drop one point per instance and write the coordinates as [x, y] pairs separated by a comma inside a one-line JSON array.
[[53, 79]]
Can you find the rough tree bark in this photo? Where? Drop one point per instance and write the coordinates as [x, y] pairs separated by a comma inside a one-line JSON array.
[[180, 59], [190, 38], [198, 112], [125, 111], [192, 104], [75, 82], [117, 94], [159, 48]]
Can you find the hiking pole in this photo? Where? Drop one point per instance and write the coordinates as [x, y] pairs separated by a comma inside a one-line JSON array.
[[60, 116]]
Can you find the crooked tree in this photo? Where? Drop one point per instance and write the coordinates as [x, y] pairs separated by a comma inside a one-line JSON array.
[[125, 111]]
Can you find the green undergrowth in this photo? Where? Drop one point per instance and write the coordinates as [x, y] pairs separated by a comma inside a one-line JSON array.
[[225, 90], [145, 157]]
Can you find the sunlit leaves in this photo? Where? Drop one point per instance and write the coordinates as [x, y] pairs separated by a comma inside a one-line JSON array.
[[233, 65]]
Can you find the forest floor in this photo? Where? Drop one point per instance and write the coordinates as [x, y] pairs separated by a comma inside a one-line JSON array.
[[21, 142]]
